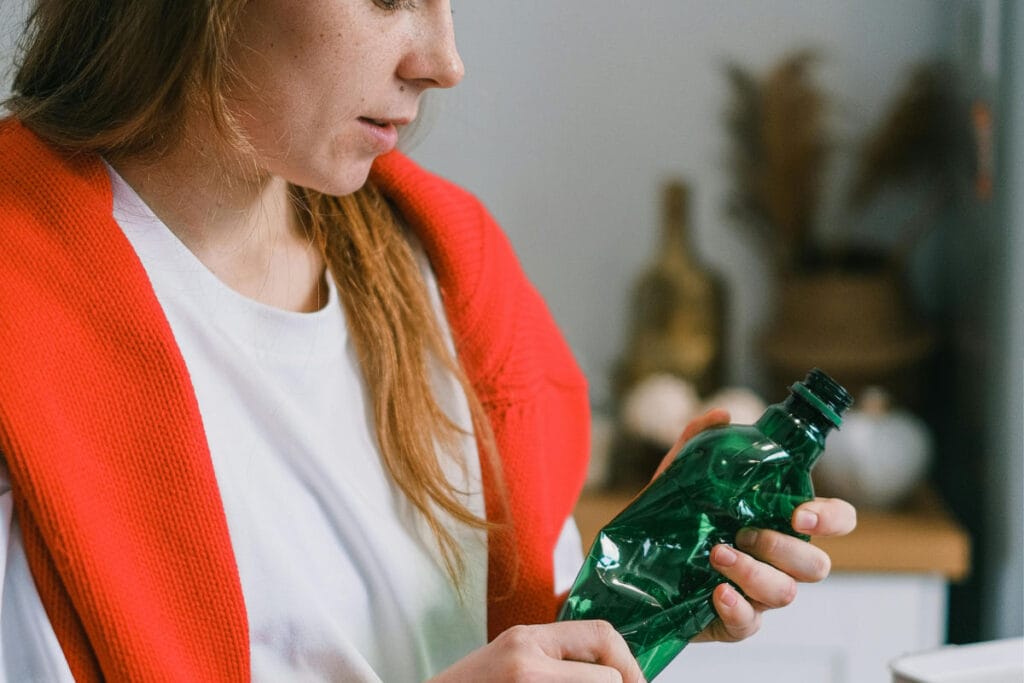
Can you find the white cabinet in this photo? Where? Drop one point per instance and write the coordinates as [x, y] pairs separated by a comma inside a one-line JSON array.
[[845, 630]]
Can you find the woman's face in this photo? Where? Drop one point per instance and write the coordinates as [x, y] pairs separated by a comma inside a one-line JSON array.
[[327, 83]]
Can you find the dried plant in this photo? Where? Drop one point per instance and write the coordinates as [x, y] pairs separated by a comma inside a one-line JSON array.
[[743, 121], [780, 147], [921, 139], [916, 140]]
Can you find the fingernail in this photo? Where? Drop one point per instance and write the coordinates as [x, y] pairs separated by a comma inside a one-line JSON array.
[[729, 596], [725, 556], [746, 537], [805, 520]]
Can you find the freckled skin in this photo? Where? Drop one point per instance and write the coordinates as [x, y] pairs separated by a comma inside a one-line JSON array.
[[311, 69], [321, 87]]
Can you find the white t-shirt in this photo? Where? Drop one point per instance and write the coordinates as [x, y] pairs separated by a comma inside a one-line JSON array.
[[341, 580]]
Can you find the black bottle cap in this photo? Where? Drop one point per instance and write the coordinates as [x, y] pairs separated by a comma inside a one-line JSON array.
[[825, 394]]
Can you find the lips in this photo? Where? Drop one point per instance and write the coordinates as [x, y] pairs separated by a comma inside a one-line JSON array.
[[380, 134], [385, 122]]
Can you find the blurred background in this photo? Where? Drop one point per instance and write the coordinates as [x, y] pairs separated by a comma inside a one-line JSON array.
[[714, 197], [574, 116], [873, 146]]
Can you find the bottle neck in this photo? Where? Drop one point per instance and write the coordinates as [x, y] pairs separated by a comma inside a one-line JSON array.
[[675, 242], [675, 237], [797, 426]]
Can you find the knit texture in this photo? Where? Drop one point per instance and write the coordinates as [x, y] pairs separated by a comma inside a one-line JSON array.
[[113, 484]]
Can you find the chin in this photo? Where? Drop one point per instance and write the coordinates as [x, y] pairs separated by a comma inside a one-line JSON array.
[[339, 182]]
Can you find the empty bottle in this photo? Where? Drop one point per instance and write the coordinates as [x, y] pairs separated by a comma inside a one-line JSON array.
[[648, 572]]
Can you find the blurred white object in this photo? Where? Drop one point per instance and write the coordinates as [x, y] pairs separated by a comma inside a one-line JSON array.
[[877, 457], [658, 408], [744, 406], [997, 661]]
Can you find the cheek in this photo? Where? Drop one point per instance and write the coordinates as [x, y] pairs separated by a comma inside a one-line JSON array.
[[299, 109], [266, 130], [334, 165]]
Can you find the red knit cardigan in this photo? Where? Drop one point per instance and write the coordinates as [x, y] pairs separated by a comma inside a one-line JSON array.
[[113, 485]]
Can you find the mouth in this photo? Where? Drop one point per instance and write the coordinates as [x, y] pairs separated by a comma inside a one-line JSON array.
[[384, 123], [381, 134]]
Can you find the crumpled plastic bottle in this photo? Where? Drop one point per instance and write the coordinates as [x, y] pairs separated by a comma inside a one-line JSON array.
[[648, 572]]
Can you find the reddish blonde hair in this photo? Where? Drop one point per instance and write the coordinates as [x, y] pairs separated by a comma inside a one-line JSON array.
[[117, 77]]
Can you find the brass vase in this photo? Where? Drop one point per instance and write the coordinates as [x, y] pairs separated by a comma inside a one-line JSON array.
[[678, 308], [678, 313]]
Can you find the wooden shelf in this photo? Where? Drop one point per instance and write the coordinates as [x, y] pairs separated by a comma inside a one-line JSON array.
[[921, 538]]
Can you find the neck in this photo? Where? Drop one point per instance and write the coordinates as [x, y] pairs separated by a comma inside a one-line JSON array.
[[236, 218], [797, 427]]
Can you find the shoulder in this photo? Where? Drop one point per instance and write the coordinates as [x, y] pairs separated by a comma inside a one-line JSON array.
[[55, 216], [398, 174], [461, 238], [501, 323], [38, 176], [439, 210]]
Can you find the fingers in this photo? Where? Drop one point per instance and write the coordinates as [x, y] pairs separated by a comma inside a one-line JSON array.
[[766, 566], [570, 651], [825, 517], [737, 617], [589, 642], [760, 582], [764, 586], [792, 556], [716, 417], [573, 672]]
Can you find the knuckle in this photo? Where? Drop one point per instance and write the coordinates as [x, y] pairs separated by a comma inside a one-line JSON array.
[[518, 639], [788, 593], [732, 633], [610, 675], [769, 544], [745, 628], [520, 669], [752, 627], [604, 632], [820, 567], [755, 573]]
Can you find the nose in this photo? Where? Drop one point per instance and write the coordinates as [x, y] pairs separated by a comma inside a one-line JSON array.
[[434, 60]]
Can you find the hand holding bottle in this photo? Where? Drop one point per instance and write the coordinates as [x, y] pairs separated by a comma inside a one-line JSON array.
[[576, 651], [715, 538], [765, 564]]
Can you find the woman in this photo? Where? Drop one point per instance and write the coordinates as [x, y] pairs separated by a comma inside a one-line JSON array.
[[277, 403]]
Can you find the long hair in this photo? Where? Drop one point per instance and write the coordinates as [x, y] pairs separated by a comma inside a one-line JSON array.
[[117, 77]]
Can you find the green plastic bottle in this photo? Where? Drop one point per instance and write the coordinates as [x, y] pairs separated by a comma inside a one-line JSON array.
[[648, 572]]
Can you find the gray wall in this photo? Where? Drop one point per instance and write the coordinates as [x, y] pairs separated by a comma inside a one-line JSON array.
[[572, 113], [12, 15]]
